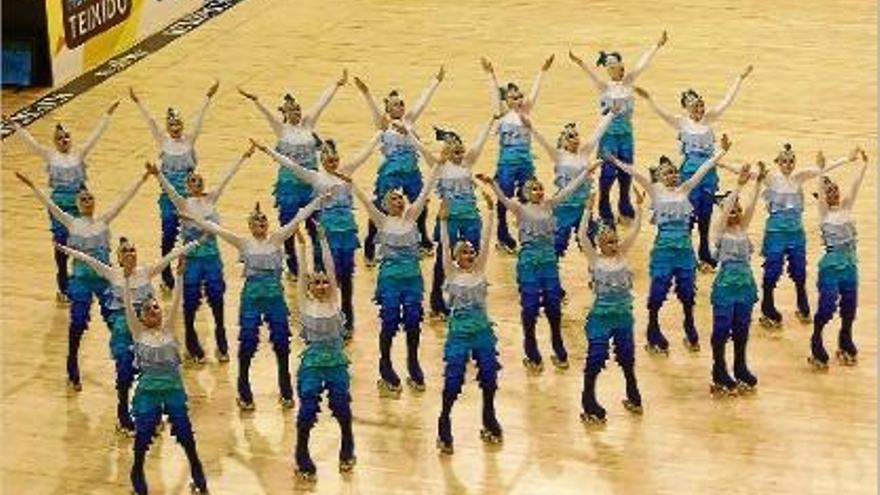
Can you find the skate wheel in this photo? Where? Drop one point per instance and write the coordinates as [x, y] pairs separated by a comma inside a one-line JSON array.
[[691, 346], [74, 386], [719, 391], [744, 388], [445, 448], [415, 386], [632, 407], [656, 350], [706, 267], [592, 420], [62, 299], [286, 403], [245, 406], [846, 359], [533, 367], [558, 363], [805, 319], [347, 466], [817, 364], [306, 476], [124, 432], [221, 357], [387, 390], [193, 488], [491, 438], [769, 323]]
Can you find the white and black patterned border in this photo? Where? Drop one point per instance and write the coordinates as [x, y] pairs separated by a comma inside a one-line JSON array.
[[115, 65]]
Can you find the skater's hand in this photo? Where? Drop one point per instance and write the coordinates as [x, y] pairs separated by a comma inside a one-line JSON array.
[[487, 65], [112, 107], [441, 73], [343, 79], [639, 194], [820, 160], [249, 152], [642, 92], [361, 85], [854, 154], [726, 143], [152, 169], [864, 156], [259, 146], [485, 179], [490, 203], [27, 181], [249, 96], [574, 58], [663, 39], [548, 63], [762, 171], [133, 96], [746, 72], [213, 89], [744, 174], [444, 210], [181, 266]]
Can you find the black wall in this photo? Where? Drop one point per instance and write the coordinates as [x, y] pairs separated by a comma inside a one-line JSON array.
[[25, 20]]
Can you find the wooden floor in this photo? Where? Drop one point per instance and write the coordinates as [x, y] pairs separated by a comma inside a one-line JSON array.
[[814, 85]]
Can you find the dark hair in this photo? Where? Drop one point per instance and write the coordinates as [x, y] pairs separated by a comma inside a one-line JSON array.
[[604, 56], [504, 90], [444, 135], [689, 95]]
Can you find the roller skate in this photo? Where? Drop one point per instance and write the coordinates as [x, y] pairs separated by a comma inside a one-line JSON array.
[[444, 435], [818, 355], [286, 403], [305, 468], [559, 363], [847, 353], [347, 465], [426, 251], [307, 474], [245, 405], [633, 401], [73, 380], [125, 430], [706, 267], [195, 488], [74, 386], [657, 343], [388, 390], [595, 415], [746, 382], [722, 383], [370, 262], [624, 221], [415, 385], [691, 345], [292, 277], [222, 357], [506, 245], [416, 379], [770, 318], [61, 298], [194, 360], [437, 315], [533, 367], [491, 433], [803, 318], [492, 436]]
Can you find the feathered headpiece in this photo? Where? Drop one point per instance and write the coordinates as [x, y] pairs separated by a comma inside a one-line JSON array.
[[288, 104], [568, 131], [510, 90], [608, 58], [60, 131], [786, 154], [172, 116], [690, 97], [257, 214], [449, 137], [393, 98]]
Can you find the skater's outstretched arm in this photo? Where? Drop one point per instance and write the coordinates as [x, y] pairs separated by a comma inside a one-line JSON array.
[[514, 206], [309, 176], [354, 163], [126, 198], [849, 199], [278, 237], [416, 110], [199, 117], [568, 190], [639, 177], [627, 243], [35, 146], [597, 81], [720, 224], [230, 173], [445, 243], [310, 119], [134, 323], [374, 213], [473, 154], [302, 282], [822, 168], [213, 228], [180, 251], [101, 268], [375, 114], [488, 227], [327, 259], [589, 145], [274, 122], [56, 212], [536, 86], [176, 301], [415, 209], [93, 138], [494, 88], [158, 135], [583, 228], [673, 120], [715, 112], [177, 200], [646, 59], [749, 212], [708, 165], [551, 150]]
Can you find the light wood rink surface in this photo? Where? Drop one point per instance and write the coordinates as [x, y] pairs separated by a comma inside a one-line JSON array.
[[814, 85]]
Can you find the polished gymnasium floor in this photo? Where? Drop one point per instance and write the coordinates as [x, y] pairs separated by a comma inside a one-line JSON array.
[[814, 85]]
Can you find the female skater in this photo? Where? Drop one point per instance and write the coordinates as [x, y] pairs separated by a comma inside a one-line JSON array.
[[515, 165], [838, 269], [178, 157], [537, 266], [262, 296], [734, 292], [140, 281], [336, 215], [617, 140], [90, 234], [697, 145], [570, 158], [611, 316], [323, 363], [399, 168], [204, 267], [455, 186], [66, 167], [470, 329], [297, 141], [160, 389], [672, 256], [784, 236], [399, 286]]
